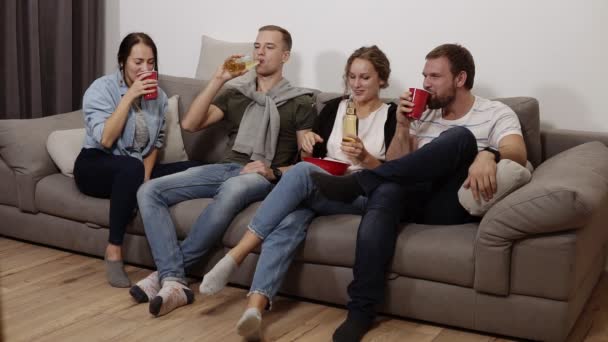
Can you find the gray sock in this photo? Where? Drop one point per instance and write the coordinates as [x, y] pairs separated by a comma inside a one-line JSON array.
[[249, 325], [115, 272], [216, 279]]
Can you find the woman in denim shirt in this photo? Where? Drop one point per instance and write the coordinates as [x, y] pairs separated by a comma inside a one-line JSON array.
[[124, 133]]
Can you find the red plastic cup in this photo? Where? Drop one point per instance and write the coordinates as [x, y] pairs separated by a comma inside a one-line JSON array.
[[153, 75], [419, 98]]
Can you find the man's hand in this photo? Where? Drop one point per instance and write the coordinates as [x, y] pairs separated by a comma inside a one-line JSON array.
[[310, 140], [258, 167], [405, 107], [482, 176], [225, 75]]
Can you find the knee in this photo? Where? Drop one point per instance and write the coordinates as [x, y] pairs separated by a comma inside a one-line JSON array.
[[387, 197], [244, 186], [461, 134], [301, 169], [146, 191]]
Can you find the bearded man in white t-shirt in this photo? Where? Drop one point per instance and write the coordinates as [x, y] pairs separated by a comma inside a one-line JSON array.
[[458, 140]]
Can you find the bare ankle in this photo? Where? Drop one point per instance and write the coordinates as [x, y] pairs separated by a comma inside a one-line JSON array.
[[113, 252]]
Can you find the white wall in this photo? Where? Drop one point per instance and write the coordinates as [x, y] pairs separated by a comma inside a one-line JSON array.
[[549, 49]]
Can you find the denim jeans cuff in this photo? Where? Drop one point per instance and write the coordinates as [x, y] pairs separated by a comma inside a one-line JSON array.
[[255, 232], [182, 281], [265, 294]]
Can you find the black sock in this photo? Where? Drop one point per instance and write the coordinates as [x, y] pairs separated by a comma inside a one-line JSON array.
[[138, 294], [338, 188], [352, 329]]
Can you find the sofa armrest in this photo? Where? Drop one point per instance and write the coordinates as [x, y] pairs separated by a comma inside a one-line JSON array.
[[562, 195], [23, 149]]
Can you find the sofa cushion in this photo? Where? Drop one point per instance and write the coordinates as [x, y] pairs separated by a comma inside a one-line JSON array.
[[439, 253], [173, 149], [64, 146], [562, 194], [58, 195]]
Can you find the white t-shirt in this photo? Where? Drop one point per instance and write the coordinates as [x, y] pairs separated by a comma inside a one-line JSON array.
[[489, 121], [370, 131]]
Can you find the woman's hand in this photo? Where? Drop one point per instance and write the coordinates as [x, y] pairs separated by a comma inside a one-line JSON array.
[[355, 150], [310, 140], [141, 87]]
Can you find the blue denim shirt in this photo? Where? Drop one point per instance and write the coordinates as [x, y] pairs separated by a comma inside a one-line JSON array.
[[101, 100]]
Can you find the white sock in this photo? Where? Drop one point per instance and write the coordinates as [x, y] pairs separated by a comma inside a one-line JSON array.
[[146, 289], [250, 323], [170, 297], [216, 279]]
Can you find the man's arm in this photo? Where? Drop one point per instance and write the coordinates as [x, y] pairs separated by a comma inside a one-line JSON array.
[[513, 147], [482, 172], [202, 113], [402, 142], [149, 162], [301, 137]]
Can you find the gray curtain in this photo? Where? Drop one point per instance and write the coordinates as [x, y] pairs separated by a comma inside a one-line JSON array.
[[51, 52]]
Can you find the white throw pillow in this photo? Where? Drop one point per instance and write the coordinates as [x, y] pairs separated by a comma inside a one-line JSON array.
[[174, 150], [509, 177], [63, 147]]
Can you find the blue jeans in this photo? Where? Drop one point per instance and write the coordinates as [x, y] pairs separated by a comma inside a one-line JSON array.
[[231, 193], [281, 222]]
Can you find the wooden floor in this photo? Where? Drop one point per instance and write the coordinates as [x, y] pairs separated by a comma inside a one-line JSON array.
[[53, 295]]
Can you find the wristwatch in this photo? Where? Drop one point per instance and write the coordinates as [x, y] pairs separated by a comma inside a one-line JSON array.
[[495, 152], [277, 173]]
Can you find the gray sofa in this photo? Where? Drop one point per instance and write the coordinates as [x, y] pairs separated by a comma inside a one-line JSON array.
[[526, 270]]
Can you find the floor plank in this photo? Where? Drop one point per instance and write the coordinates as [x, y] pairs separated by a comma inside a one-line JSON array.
[[53, 295]]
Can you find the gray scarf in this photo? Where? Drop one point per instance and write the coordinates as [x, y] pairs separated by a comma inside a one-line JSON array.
[[259, 129]]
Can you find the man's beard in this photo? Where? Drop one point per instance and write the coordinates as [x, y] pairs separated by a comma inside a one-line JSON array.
[[441, 102]]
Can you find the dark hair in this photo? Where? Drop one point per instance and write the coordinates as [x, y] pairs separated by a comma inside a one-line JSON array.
[[374, 55], [131, 40], [460, 60], [286, 35]]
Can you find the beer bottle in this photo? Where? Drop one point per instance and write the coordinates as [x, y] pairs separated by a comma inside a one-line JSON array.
[[349, 125]]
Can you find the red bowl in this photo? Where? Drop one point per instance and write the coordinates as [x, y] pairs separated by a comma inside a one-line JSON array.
[[335, 168]]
